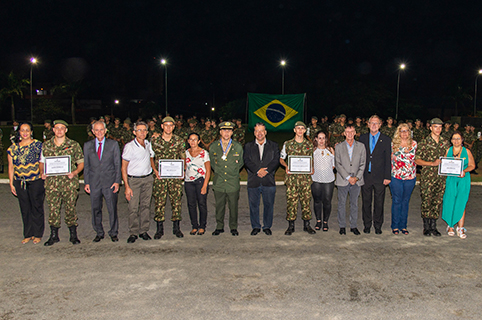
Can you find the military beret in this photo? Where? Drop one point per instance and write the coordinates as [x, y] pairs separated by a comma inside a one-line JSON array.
[[168, 119], [128, 121], [342, 116], [436, 121], [314, 117], [48, 121]]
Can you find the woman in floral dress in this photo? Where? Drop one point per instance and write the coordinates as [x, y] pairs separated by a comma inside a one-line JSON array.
[[403, 176], [198, 172]]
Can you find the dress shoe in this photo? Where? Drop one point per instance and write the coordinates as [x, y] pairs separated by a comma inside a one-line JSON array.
[[145, 236], [114, 238], [217, 232], [132, 238], [267, 231], [342, 231], [355, 231], [98, 238], [234, 232], [255, 231], [378, 231], [366, 230]]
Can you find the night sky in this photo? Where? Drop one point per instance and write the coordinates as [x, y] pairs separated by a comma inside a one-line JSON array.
[[224, 49]]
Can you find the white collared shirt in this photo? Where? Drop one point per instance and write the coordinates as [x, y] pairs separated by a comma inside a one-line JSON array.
[[261, 148], [139, 158]]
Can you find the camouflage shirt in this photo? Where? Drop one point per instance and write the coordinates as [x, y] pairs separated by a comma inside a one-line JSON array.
[[172, 149], [430, 150], [337, 129], [419, 134], [388, 131], [67, 148], [311, 131], [48, 134], [293, 148], [239, 135]]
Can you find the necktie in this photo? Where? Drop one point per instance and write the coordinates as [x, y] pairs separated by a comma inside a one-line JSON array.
[[99, 150], [373, 144]]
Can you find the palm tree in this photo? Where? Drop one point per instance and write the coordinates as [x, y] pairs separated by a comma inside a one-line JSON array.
[[72, 89], [15, 87]]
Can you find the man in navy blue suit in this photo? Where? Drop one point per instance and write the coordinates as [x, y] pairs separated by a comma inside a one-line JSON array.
[[377, 174], [102, 176]]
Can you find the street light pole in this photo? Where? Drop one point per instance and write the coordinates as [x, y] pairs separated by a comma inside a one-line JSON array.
[[402, 66], [164, 63], [283, 63], [475, 92], [32, 62]]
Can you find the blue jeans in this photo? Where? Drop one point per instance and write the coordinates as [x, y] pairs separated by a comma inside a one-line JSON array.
[[268, 204], [401, 193]]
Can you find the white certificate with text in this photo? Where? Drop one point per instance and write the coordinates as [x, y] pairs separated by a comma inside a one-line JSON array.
[[171, 168], [57, 166], [450, 166], [299, 164]]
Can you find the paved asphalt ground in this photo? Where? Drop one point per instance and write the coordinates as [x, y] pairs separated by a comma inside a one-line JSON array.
[[321, 276]]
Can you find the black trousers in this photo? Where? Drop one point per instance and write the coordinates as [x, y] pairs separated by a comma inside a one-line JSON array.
[[196, 199], [372, 192], [31, 201], [322, 195]]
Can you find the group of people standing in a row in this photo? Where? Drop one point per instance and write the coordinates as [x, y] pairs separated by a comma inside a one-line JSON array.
[[365, 166]]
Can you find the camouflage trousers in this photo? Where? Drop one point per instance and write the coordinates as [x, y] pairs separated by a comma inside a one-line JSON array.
[[478, 154], [432, 190], [56, 193], [160, 191], [298, 189]]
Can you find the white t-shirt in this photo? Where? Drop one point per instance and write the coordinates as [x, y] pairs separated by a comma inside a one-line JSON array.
[[139, 158]]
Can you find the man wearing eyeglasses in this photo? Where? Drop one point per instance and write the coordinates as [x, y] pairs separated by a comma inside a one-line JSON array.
[[377, 174]]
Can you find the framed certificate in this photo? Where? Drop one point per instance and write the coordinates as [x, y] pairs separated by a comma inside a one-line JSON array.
[[57, 166], [450, 166], [171, 168], [299, 164]]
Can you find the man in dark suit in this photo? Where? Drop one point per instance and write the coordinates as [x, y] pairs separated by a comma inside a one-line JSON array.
[[261, 159], [102, 176], [377, 174]]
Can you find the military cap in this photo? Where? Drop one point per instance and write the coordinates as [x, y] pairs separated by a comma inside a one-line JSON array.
[[448, 122], [408, 121], [358, 118], [191, 120], [436, 121], [314, 117], [226, 125], [128, 121], [168, 119], [342, 116], [389, 118], [61, 122], [418, 120], [48, 121], [101, 117], [300, 123], [117, 119]]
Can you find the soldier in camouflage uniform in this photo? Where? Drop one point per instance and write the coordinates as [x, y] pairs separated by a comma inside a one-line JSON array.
[[167, 146], [180, 131], [338, 130], [313, 128], [48, 133], [472, 145], [108, 124], [63, 188], [115, 133], [418, 131], [13, 132], [447, 131], [359, 126], [127, 132], [152, 128], [207, 134], [389, 129], [239, 133], [90, 135], [192, 128], [432, 185], [298, 186], [478, 143]]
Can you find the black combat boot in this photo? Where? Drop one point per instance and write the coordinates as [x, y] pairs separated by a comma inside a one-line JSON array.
[[176, 230], [426, 227], [54, 236], [291, 228], [160, 230], [307, 227], [433, 228], [73, 235]]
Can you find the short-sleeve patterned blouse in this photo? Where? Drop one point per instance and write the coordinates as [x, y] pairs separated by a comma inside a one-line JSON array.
[[26, 160], [195, 167], [403, 163]]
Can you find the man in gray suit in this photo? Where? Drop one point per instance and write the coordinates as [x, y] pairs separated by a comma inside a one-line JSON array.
[[102, 176], [350, 158]]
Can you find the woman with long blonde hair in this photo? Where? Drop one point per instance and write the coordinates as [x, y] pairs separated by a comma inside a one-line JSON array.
[[403, 176]]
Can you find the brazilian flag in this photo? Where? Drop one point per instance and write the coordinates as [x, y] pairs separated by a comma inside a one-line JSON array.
[[277, 112]]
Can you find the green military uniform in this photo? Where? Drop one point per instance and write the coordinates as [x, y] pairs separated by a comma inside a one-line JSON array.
[[172, 149], [388, 131], [207, 136], [61, 189], [447, 134], [127, 135], [432, 185], [48, 134], [226, 181], [13, 135], [419, 134], [359, 131], [337, 129], [297, 185], [116, 134], [312, 130], [239, 135], [90, 135], [188, 131], [181, 133], [150, 132], [469, 138]]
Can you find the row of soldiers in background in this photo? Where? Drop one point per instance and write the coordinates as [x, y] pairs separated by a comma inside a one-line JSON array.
[[206, 128], [472, 139]]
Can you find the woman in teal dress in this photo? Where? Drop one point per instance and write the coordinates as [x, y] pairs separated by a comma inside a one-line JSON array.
[[457, 188]]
